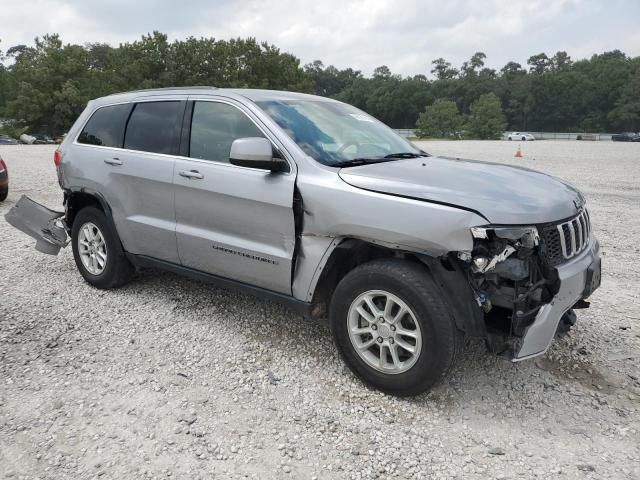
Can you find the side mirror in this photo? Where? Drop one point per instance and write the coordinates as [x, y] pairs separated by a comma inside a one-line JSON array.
[[255, 152]]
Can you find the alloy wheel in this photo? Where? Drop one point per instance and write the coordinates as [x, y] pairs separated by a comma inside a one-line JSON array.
[[92, 248], [384, 331]]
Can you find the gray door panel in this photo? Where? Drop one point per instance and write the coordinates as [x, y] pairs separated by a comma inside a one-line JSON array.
[[236, 222], [140, 192], [138, 187]]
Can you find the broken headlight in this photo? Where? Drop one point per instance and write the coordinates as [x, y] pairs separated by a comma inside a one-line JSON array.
[[505, 270], [527, 236], [493, 245]]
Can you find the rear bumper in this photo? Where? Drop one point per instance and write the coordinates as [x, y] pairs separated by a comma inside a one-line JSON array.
[[573, 280], [40, 223]]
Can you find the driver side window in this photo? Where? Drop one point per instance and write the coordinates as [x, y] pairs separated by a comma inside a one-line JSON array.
[[214, 127]]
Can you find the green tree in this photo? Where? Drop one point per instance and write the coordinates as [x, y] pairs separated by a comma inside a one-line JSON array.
[[474, 65], [626, 115], [539, 63], [49, 85], [486, 120], [46, 84], [330, 81], [443, 70], [442, 119]]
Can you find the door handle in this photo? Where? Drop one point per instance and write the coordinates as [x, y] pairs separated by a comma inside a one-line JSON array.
[[194, 174], [113, 161]]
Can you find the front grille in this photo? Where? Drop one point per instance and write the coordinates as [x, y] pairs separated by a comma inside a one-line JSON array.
[[565, 240]]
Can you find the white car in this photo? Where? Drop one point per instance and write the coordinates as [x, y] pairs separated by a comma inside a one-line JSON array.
[[524, 137]]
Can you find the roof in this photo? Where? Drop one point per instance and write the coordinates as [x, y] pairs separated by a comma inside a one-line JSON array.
[[255, 95]]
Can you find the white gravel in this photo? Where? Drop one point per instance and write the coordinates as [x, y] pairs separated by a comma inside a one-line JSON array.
[[171, 378]]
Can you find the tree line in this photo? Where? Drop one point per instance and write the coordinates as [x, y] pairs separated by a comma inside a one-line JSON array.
[[44, 86]]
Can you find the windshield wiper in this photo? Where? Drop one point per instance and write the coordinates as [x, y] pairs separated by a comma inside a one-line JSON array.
[[406, 155], [387, 158], [361, 161]]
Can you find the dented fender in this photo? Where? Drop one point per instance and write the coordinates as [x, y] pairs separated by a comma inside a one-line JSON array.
[[40, 223]]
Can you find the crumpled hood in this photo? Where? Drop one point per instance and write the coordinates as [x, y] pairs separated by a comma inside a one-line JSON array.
[[501, 193]]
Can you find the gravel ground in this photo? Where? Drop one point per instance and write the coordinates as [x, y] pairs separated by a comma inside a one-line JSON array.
[[167, 377]]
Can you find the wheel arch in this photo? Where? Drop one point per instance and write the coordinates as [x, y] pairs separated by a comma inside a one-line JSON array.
[[76, 200], [348, 253]]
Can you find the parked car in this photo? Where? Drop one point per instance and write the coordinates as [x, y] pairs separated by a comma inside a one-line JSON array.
[[524, 137], [42, 139], [591, 137], [4, 180], [7, 140], [317, 204], [626, 137]]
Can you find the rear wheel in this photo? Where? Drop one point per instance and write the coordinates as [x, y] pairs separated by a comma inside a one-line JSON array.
[[392, 328], [97, 250], [4, 193]]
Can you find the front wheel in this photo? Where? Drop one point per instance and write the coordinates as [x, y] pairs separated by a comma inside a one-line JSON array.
[[392, 327], [97, 250], [4, 193]]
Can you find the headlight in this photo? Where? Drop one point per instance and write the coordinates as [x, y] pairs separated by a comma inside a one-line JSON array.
[[493, 245], [525, 236]]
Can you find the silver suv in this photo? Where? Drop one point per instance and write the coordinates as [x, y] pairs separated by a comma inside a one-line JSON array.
[[316, 204]]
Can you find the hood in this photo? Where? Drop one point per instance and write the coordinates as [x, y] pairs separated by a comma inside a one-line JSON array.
[[503, 194]]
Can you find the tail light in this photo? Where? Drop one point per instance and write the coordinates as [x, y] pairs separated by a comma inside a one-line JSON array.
[[3, 166], [57, 158]]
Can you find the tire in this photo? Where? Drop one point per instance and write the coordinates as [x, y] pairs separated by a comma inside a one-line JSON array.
[[510, 139], [439, 340], [115, 270], [567, 321], [524, 139], [4, 193]]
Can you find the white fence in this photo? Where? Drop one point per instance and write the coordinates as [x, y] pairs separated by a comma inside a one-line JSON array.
[[405, 132], [568, 136], [410, 133]]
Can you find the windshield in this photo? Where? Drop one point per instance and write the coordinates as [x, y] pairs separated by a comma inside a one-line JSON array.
[[336, 133]]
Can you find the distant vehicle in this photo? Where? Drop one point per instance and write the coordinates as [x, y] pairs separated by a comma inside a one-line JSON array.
[[524, 137], [4, 180], [7, 140], [42, 139], [587, 136], [626, 137]]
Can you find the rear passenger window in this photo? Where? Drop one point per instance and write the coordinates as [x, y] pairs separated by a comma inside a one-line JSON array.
[[214, 127], [153, 127], [106, 126]]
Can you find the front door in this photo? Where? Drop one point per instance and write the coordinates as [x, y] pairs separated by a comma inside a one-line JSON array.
[[232, 221]]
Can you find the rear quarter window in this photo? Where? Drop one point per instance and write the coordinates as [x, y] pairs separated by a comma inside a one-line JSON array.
[[106, 126], [153, 127]]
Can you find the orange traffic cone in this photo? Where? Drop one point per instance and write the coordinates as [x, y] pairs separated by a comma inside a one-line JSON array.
[[518, 153]]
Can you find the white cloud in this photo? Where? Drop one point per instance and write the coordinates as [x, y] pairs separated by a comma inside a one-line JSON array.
[[405, 35]]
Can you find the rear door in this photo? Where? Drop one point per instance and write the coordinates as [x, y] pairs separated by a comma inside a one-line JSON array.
[[133, 169], [231, 221]]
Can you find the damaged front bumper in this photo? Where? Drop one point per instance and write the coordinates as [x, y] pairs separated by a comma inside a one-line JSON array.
[[39, 222], [578, 279]]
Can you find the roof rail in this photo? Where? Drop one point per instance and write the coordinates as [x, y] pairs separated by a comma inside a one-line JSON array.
[[200, 87]]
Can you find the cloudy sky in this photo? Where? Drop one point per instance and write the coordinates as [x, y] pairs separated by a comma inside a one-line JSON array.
[[403, 34]]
